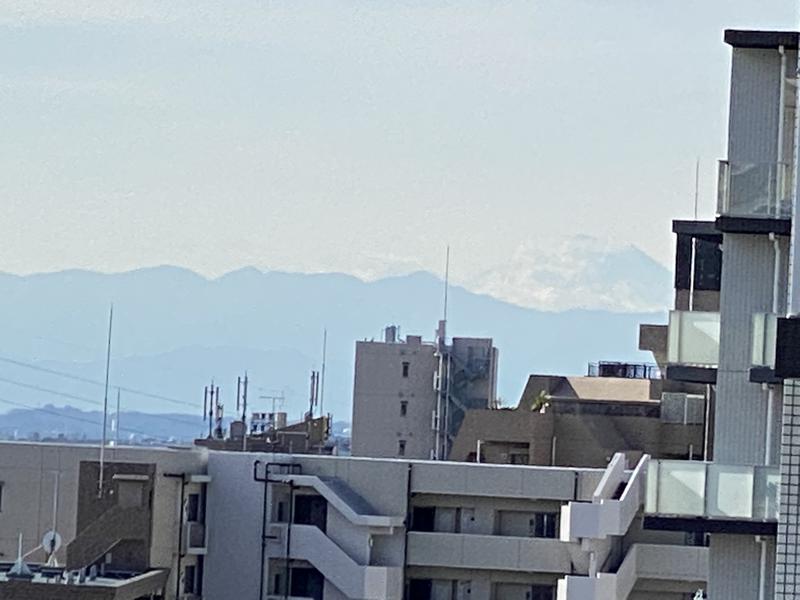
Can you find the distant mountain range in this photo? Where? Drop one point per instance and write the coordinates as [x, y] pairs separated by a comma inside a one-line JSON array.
[[578, 272], [174, 331]]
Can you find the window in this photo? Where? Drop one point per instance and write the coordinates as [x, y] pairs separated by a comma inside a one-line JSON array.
[[423, 518], [188, 579], [401, 448], [403, 408], [541, 592], [193, 508], [1, 496], [544, 525], [405, 369]]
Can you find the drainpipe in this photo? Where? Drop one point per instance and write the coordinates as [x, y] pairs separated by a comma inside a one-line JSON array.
[[180, 531], [762, 577], [776, 272], [289, 540], [408, 527]]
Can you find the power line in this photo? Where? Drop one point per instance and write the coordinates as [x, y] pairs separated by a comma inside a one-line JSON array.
[[128, 390], [44, 390]]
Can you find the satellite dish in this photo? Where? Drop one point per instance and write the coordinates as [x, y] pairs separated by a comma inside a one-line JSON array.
[[51, 541]]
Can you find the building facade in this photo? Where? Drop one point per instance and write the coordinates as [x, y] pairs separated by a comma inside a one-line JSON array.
[[147, 515], [325, 528], [744, 499], [410, 396]]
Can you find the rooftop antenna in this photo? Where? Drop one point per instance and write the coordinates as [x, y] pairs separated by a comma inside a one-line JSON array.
[[105, 405], [244, 414], [52, 541], [20, 570], [446, 279], [696, 186], [694, 240], [322, 384]]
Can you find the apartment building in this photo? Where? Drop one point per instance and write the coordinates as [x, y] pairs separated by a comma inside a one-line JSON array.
[[746, 351], [323, 528], [584, 421], [410, 396], [138, 531]]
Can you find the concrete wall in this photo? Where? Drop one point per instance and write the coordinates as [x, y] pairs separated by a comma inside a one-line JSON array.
[[379, 389]]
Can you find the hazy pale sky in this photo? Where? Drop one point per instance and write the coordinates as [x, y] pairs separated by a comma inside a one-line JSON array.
[[355, 136]]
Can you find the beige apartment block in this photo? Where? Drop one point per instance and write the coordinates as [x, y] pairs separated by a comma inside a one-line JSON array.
[[149, 517]]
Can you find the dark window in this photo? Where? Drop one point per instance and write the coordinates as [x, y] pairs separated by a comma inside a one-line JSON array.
[[401, 448], [423, 518], [307, 583], [403, 408], [311, 510], [193, 508], [541, 592], [1, 496], [189, 579], [199, 580], [405, 369], [544, 525], [420, 589]]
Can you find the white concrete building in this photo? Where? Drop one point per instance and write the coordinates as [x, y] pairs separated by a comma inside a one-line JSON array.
[[328, 528], [745, 502], [410, 396]]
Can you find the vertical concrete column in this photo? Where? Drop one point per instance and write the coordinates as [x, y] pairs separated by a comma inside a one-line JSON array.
[[787, 560]]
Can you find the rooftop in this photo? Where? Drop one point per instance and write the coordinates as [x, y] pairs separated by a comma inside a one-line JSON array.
[[744, 38]]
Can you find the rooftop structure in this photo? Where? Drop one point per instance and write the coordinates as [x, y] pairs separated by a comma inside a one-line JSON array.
[[583, 422]]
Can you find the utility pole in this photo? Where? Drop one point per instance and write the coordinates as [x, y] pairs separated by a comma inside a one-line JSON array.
[[105, 406], [244, 414]]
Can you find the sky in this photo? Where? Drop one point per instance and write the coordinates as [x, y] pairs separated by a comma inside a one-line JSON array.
[[356, 136]]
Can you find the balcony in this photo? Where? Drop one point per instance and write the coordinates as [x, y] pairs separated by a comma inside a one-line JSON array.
[[693, 346], [504, 553], [705, 496], [684, 568], [751, 192]]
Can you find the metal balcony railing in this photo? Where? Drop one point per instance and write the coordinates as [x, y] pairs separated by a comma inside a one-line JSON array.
[[682, 488], [755, 190], [693, 338]]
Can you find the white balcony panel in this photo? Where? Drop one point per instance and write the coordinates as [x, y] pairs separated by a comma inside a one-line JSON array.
[[712, 490], [765, 326], [693, 338], [495, 552]]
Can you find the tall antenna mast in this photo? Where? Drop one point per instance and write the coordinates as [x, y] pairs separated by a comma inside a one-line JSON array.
[[116, 426], [322, 384], [696, 186], [105, 405], [446, 279], [694, 240]]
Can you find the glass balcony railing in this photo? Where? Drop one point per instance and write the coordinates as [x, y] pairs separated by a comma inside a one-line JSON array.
[[683, 488], [765, 326], [755, 190], [693, 338]]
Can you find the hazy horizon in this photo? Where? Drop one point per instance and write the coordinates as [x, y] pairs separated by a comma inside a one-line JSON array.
[[359, 138]]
